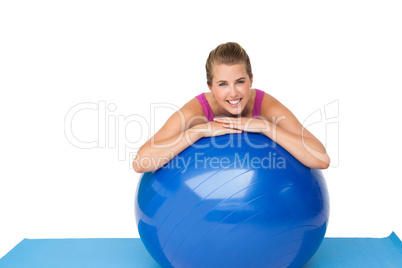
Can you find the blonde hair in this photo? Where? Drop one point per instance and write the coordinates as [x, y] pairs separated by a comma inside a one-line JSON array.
[[228, 53]]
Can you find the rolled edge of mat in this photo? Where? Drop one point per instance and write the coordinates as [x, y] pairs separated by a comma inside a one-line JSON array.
[[396, 241]]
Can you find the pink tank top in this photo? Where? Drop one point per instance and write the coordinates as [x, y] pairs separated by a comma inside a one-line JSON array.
[[259, 94]]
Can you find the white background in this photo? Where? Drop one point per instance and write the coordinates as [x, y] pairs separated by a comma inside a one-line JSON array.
[[126, 55]]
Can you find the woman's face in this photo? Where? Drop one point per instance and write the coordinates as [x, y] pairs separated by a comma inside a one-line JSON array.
[[231, 87]]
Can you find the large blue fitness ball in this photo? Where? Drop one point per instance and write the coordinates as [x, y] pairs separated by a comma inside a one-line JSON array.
[[237, 200]]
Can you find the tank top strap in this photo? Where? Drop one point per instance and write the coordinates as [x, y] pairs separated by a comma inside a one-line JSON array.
[[205, 106], [259, 95]]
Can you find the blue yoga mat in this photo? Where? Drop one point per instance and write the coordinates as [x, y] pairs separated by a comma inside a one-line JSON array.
[[130, 252]]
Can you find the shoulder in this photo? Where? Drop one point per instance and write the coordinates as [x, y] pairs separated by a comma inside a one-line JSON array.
[[192, 112], [276, 112], [189, 115], [269, 104], [209, 97], [193, 107]]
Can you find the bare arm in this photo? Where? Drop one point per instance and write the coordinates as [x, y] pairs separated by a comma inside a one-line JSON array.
[[152, 156], [180, 131], [280, 124], [305, 148], [288, 132]]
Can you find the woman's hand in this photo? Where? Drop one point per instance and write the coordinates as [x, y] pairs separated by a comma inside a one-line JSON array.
[[211, 129], [244, 124]]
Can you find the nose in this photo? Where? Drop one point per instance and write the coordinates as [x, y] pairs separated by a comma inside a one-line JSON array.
[[232, 92]]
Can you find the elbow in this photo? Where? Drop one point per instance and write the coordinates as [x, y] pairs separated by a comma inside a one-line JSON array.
[[143, 165], [317, 165], [323, 163], [138, 168], [138, 164]]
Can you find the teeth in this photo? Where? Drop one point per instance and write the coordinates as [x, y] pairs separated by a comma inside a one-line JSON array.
[[234, 102]]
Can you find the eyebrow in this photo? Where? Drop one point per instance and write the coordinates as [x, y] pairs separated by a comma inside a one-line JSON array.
[[220, 81]]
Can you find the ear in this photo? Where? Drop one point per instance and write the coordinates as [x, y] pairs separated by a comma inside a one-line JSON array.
[[251, 80], [210, 89]]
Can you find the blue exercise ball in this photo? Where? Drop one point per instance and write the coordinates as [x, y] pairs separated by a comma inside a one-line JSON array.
[[237, 200]]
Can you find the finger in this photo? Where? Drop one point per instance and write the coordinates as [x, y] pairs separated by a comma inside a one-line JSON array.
[[228, 125], [221, 120], [226, 118], [227, 131], [230, 131], [233, 127]]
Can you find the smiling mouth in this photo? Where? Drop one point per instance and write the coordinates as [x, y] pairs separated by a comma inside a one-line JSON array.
[[234, 102]]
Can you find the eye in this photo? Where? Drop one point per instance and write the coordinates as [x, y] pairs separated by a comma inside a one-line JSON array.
[[240, 82], [222, 84]]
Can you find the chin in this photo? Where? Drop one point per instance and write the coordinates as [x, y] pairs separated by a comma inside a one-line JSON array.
[[235, 112]]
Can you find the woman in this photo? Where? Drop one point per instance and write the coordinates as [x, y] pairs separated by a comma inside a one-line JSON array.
[[231, 106]]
